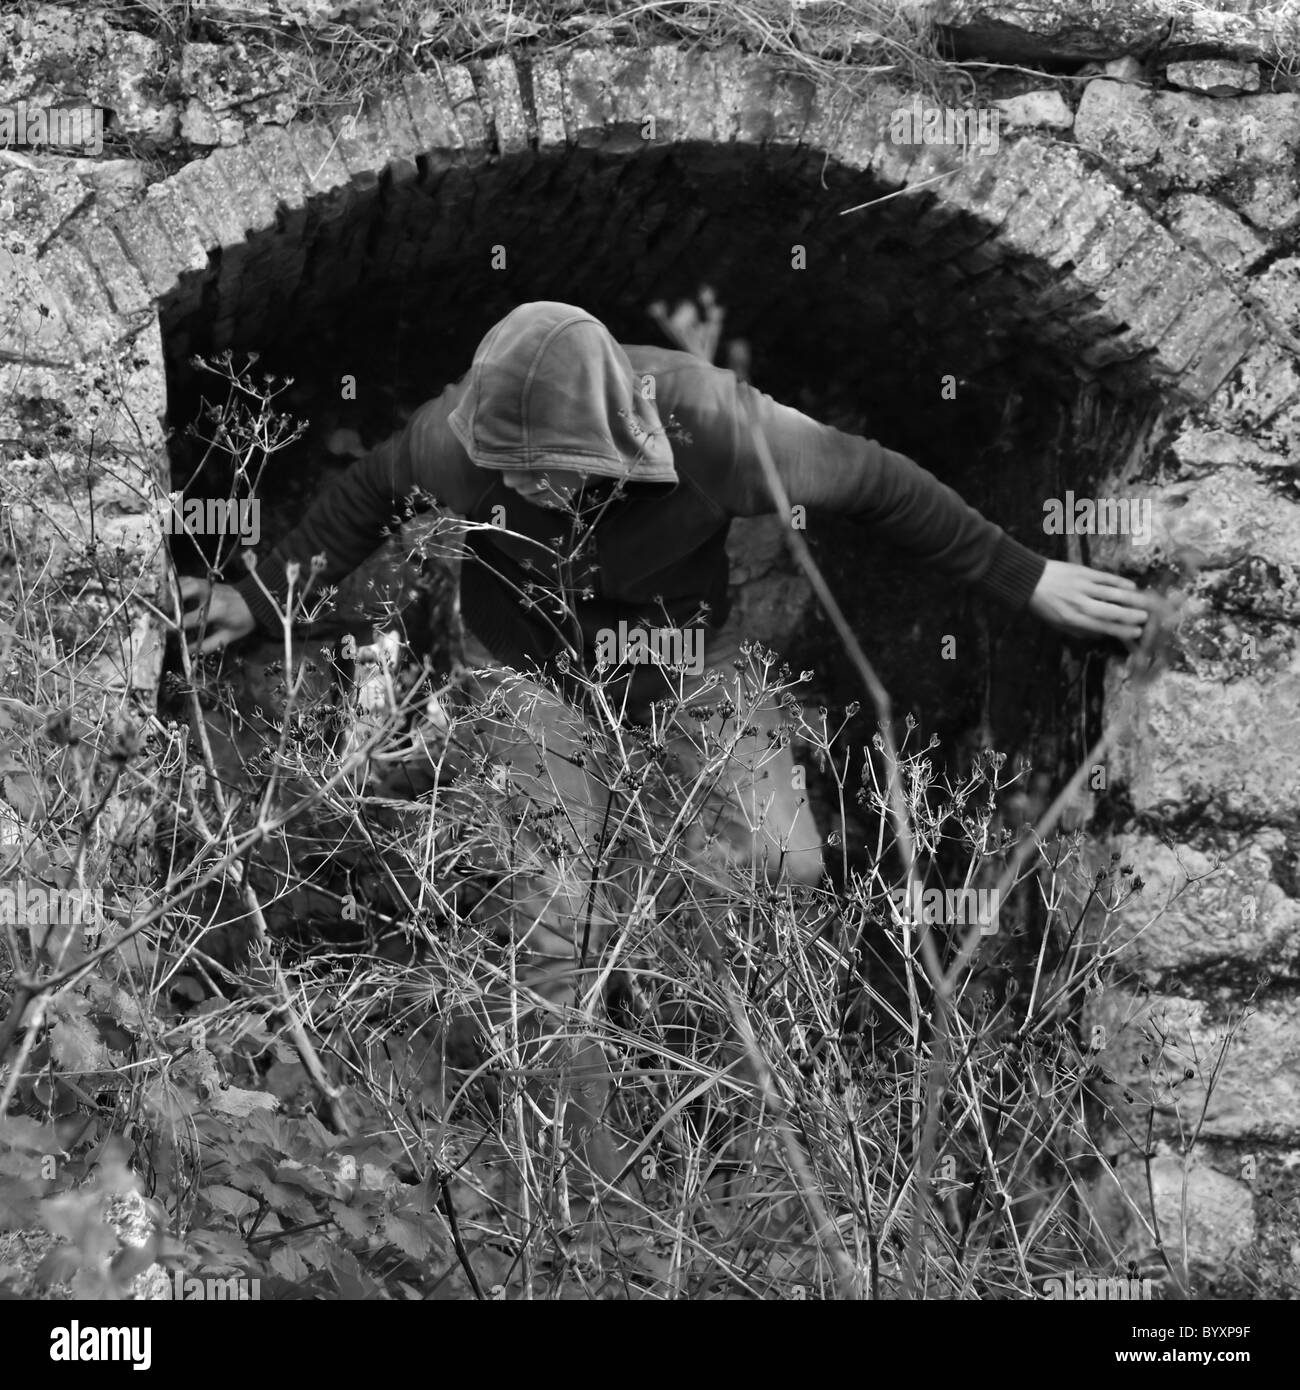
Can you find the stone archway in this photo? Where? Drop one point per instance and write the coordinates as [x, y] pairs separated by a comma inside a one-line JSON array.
[[1045, 235]]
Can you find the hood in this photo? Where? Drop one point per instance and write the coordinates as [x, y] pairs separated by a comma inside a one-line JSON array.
[[550, 388]]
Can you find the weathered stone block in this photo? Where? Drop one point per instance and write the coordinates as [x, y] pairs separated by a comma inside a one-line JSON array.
[[213, 199], [327, 172], [93, 320], [1212, 333], [1192, 142], [1217, 360], [431, 113], [1223, 236], [1036, 225], [638, 113], [1085, 219], [1267, 382], [1236, 747], [201, 125], [1214, 77], [1116, 120], [403, 142], [548, 101], [37, 319], [1202, 449], [508, 114], [176, 216], [275, 151], [588, 105], [361, 148], [126, 286], [466, 109], [1199, 906], [1043, 109], [1199, 1215], [1152, 291], [1223, 518], [1185, 1060]]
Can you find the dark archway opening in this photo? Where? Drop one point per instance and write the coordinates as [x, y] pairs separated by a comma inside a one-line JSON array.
[[856, 319]]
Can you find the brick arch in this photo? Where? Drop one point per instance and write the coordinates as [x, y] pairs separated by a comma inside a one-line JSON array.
[[1036, 225]]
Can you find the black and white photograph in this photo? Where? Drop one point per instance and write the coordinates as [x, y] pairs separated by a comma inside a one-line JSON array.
[[650, 652]]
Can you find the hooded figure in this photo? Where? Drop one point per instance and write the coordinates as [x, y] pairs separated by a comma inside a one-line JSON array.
[[551, 389], [668, 436]]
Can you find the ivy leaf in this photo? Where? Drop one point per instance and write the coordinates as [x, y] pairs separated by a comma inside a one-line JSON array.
[[227, 1248], [230, 1200], [410, 1237], [352, 1222], [288, 1264], [309, 1179]]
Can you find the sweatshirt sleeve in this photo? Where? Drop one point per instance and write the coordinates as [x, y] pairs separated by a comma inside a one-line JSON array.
[[351, 518], [825, 469]]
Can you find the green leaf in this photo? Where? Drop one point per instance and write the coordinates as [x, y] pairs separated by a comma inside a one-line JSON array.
[[410, 1237], [309, 1179], [230, 1200], [288, 1264], [352, 1222], [222, 1244]]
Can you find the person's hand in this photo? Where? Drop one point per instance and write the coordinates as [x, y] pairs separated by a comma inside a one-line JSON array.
[[228, 617], [1085, 601]]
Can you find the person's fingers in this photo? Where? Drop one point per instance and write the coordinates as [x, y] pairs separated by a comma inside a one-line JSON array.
[[194, 617], [1115, 612], [213, 643], [191, 584], [1132, 595], [1096, 611], [1107, 627], [1109, 580]]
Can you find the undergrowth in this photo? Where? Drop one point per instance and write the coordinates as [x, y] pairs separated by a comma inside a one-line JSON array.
[[305, 1031]]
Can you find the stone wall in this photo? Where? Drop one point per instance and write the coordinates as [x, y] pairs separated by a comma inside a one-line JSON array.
[[1134, 236]]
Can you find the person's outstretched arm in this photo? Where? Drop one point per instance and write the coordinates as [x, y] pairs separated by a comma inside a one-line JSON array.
[[823, 468]]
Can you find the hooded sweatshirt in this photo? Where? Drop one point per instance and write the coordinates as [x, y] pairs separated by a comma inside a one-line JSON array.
[[550, 388]]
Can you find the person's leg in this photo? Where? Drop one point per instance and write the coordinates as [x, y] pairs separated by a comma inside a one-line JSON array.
[[544, 808], [756, 810]]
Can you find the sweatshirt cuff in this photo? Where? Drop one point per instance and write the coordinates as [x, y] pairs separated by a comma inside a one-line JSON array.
[[1014, 574], [270, 575]]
